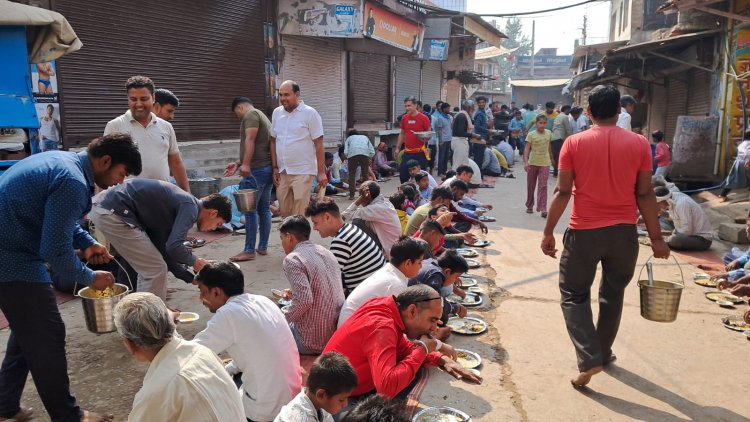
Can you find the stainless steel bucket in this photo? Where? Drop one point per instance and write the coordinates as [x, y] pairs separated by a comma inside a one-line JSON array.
[[246, 199], [99, 311], [660, 300]]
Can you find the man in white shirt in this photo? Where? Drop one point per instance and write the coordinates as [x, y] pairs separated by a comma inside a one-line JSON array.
[[185, 381], [155, 137], [297, 153], [627, 105], [406, 261], [692, 228], [578, 121], [378, 214], [254, 332]]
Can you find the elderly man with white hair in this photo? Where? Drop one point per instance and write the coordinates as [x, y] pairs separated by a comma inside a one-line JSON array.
[[692, 228], [185, 381]]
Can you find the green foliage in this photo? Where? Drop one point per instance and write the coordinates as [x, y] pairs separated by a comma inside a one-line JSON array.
[[516, 39]]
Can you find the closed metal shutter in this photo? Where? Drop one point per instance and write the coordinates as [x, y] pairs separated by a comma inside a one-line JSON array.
[[315, 64], [676, 106], [369, 88], [407, 82], [699, 96], [432, 78], [204, 52]]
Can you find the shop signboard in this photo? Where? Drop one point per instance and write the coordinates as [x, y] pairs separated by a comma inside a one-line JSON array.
[[389, 28]]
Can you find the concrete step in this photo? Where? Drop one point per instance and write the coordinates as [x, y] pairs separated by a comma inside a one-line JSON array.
[[211, 161]]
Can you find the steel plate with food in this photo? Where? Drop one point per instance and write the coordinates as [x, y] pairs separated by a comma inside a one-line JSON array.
[[471, 299], [715, 296], [735, 322], [468, 325], [424, 135], [479, 243], [187, 317], [441, 414], [467, 282], [706, 282], [468, 359], [473, 263], [467, 253]]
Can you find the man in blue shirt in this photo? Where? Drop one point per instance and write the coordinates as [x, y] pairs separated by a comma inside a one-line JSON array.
[[481, 128], [42, 199]]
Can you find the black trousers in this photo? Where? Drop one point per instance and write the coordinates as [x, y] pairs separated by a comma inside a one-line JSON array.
[[556, 145], [36, 345], [616, 247]]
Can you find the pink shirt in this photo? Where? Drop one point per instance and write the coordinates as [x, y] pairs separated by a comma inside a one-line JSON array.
[[663, 156], [605, 161]]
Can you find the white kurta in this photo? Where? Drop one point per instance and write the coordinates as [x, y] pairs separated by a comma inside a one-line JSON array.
[[187, 382]]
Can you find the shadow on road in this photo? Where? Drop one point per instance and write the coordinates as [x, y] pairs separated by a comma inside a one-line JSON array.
[[694, 411]]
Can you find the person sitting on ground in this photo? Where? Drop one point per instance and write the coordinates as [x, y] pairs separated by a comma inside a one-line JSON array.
[[406, 260], [491, 166], [148, 220], [398, 200], [736, 262], [339, 166], [381, 166], [270, 368], [377, 213], [414, 169], [330, 381], [442, 276], [413, 199], [423, 183], [433, 233], [466, 218], [465, 174], [185, 380], [315, 279], [378, 408], [506, 150], [443, 196], [692, 228], [334, 185], [388, 341], [357, 254], [438, 196]]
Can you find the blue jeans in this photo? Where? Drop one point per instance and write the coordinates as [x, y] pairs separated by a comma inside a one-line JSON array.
[[262, 180]]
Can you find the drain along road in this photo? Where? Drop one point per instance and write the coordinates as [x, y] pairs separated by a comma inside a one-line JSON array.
[[691, 370]]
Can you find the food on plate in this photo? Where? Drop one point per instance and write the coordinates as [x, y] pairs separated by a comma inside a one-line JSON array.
[[467, 359], [467, 325], [723, 296], [735, 323]]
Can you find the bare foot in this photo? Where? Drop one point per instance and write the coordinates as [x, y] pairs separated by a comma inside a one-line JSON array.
[[96, 417], [261, 251], [583, 378], [243, 256], [723, 199], [22, 415]]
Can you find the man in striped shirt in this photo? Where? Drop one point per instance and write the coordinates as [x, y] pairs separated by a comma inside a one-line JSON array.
[[357, 254], [316, 292]]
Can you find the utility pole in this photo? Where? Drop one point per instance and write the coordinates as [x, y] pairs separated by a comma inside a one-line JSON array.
[[533, 54], [583, 30]]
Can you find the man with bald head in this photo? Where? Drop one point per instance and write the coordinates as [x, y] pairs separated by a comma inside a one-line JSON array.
[[297, 153]]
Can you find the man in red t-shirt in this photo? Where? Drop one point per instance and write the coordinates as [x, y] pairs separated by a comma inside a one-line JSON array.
[[415, 148], [607, 171]]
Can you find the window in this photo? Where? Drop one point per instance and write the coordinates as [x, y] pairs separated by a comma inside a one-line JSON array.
[[626, 13]]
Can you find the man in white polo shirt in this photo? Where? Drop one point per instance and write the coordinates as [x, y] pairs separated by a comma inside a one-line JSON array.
[[155, 137], [296, 150]]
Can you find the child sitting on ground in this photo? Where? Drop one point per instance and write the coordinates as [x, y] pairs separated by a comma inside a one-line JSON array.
[[329, 384], [442, 277], [423, 183], [398, 199]]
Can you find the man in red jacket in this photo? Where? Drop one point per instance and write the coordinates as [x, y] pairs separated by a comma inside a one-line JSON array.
[[386, 361]]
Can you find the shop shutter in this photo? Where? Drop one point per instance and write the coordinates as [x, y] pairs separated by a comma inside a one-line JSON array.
[[699, 95], [432, 77], [204, 52], [369, 88], [676, 106], [407, 82], [315, 64]]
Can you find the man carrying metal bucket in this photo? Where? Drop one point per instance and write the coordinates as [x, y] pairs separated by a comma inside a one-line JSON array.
[[43, 197], [607, 171]]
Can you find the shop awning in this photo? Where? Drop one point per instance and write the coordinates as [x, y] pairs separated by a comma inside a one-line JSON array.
[[538, 83], [483, 29], [580, 80], [675, 6], [671, 42], [49, 35], [490, 52]]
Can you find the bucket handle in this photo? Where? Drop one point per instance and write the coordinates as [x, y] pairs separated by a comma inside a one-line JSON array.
[[252, 177], [682, 275], [130, 282]]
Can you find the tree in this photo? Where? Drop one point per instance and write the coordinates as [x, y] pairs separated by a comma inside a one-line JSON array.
[[516, 39]]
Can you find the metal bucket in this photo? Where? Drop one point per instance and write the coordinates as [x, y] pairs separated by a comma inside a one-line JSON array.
[[660, 300], [204, 186], [99, 311], [246, 199]]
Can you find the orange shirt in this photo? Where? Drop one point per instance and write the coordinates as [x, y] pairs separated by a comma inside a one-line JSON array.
[[605, 161]]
